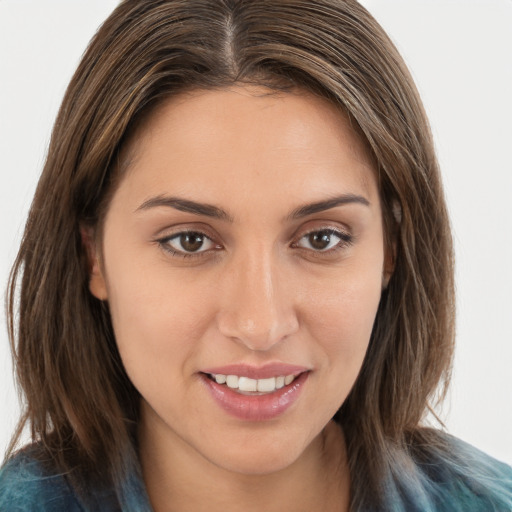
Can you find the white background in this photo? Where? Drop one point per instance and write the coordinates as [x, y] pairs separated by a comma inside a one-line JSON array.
[[460, 53]]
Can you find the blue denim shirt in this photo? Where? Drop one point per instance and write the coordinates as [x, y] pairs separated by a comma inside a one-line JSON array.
[[25, 486]]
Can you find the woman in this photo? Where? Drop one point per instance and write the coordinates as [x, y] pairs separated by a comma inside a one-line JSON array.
[[236, 282]]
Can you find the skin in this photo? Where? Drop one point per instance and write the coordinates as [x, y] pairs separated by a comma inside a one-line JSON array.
[[257, 291]]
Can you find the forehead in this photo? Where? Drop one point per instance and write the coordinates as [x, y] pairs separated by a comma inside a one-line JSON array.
[[248, 138]]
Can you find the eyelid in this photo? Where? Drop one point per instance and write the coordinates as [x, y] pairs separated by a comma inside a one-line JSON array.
[[164, 239], [346, 239]]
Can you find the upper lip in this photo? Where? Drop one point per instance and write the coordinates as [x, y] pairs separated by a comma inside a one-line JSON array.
[[257, 372]]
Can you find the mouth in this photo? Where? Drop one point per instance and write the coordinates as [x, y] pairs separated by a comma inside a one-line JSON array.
[[255, 394], [247, 386]]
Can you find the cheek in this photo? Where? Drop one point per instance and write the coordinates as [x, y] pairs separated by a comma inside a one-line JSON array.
[[340, 315], [154, 336]]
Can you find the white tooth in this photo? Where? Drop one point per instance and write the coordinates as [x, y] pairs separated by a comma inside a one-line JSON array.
[[279, 382], [220, 379], [232, 381], [288, 379], [246, 384], [267, 385]]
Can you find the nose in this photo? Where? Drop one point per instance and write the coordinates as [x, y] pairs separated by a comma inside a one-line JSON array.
[[257, 302]]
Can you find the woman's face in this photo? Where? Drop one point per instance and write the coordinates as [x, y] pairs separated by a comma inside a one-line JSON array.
[[243, 261]]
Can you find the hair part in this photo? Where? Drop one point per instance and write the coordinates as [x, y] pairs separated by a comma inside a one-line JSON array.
[[80, 404]]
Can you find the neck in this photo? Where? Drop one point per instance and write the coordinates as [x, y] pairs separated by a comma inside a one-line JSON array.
[[179, 479]]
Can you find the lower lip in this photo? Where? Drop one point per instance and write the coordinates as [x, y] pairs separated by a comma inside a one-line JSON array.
[[256, 407]]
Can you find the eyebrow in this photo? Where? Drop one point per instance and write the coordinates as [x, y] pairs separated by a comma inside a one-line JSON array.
[[320, 206], [185, 205], [208, 210]]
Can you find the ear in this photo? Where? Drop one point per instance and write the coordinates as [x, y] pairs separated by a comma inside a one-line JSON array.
[[97, 284], [390, 249], [389, 264]]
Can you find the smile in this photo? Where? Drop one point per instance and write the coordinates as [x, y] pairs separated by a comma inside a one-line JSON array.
[[256, 394], [248, 385]]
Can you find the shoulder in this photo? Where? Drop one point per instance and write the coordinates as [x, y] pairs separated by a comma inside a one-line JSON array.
[[458, 476], [26, 484], [30, 481]]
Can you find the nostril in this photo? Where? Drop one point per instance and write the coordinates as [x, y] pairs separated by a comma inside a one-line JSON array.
[[259, 322]]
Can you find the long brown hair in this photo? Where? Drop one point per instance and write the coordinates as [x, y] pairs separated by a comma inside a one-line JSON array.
[[80, 404]]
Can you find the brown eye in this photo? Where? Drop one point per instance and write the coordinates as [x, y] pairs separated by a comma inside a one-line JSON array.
[[189, 242], [320, 240], [323, 240]]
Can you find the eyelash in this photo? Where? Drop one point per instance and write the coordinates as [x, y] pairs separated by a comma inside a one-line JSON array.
[[345, 240], [164, 243]]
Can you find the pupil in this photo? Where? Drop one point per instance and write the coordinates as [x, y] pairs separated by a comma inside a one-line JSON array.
[[320, 240], [191, 242]]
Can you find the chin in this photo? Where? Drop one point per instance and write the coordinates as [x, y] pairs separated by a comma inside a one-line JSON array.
[[260, 454], [257, 462]]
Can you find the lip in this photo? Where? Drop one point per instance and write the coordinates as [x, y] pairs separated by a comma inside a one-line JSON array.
[[261, 372], [256, 407]]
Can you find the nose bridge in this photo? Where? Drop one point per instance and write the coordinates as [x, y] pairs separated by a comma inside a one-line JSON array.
[[257, 310]]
